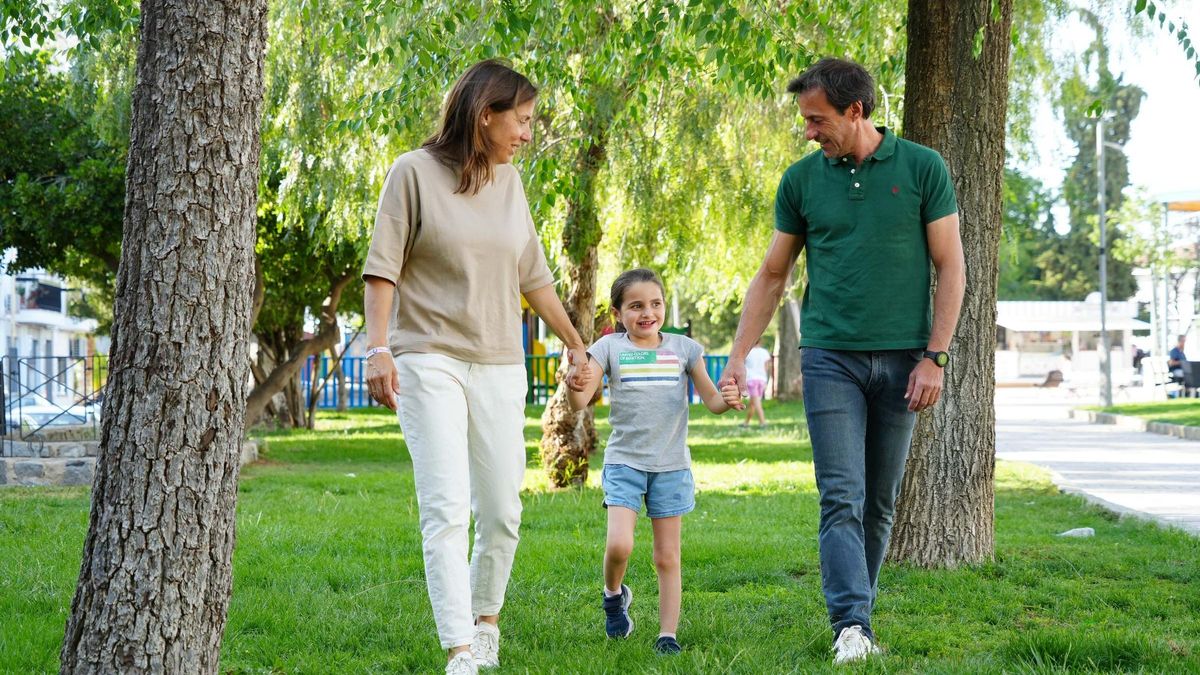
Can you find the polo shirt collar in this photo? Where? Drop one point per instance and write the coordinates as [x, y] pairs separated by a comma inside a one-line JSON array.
[[887, 147]]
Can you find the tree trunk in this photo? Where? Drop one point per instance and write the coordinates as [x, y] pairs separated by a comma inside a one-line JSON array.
[[788, 381], [343, 382], [568, 438], [154, 584], [955, 102]]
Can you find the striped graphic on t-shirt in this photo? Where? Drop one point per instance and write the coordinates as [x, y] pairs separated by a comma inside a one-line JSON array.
[[649, 369]]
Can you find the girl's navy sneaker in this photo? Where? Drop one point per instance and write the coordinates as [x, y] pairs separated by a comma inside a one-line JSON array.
[[666, 645], [617, 622]]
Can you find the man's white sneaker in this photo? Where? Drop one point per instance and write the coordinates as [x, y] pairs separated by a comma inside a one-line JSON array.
[[853, 645], [486, 645], [462, 664]]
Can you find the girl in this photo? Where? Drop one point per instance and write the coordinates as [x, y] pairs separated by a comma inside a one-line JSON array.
[[647, 458]]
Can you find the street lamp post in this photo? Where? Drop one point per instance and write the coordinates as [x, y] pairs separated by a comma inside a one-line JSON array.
[[1105, 354]]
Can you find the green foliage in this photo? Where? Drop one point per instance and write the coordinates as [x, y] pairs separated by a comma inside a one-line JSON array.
[[1148, 241], [1028, 231], [1069, 264], [62, 187], [1180, 31], [328, 573]]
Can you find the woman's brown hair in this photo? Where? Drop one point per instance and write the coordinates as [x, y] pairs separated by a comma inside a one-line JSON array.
[[461, 144]]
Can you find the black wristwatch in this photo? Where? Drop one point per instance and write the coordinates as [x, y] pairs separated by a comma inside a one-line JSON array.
[[940, 359]]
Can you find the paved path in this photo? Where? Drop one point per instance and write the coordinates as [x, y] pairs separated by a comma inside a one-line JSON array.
[[1133, 472]]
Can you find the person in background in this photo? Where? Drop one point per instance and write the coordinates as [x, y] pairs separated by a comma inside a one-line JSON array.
[[1177, 363], [758, 374]]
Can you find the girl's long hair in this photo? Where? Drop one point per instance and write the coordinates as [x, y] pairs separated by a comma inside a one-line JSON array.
[[461, 144]]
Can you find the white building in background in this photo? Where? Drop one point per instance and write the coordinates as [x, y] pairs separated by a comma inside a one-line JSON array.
[[34, 321], [42, 345], [1036, 337], [1172, 300]]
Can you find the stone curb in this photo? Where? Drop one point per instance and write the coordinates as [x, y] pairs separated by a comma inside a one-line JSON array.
[[1138, 424], [42, 471]]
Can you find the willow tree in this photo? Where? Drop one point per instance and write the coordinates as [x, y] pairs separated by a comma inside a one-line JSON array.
[[612, 70], [320, 175], [154, 584], [956, 99]]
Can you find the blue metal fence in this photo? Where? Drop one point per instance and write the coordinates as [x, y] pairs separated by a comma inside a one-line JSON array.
[[540, 372]]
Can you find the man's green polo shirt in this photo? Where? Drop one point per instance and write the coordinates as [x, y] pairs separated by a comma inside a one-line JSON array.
[[864, 230]]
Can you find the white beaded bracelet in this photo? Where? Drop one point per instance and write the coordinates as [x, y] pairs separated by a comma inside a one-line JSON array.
[[378, 350]]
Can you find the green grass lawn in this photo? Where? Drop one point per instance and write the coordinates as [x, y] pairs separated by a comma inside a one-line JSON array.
[[1184, 411], [328, 574]]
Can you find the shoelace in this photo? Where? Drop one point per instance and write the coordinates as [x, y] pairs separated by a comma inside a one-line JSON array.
[[460, 666], [488, 644]]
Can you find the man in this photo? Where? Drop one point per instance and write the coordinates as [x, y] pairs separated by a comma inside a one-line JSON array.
[[1175, 362], [871, 211]]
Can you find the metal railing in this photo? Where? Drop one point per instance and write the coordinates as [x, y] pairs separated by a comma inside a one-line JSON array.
[[43, 393], [541, 376]]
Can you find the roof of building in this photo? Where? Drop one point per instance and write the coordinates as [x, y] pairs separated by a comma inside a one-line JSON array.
[[1066, 316], [1188, 200]]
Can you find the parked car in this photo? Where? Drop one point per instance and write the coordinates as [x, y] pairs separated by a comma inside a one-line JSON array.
[[34, 410]]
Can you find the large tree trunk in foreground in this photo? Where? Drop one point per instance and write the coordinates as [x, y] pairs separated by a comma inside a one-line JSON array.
[[955, 103], [154, 584]]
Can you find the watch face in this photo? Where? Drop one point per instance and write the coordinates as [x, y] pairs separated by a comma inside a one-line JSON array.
[[942, 358]]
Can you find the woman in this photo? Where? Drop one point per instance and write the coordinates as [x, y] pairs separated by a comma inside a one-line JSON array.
[[453, 249]]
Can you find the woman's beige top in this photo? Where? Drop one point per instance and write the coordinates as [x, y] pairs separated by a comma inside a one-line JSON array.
[[459, 261]]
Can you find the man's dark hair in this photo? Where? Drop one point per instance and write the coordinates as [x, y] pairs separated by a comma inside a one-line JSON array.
[[843, 82]]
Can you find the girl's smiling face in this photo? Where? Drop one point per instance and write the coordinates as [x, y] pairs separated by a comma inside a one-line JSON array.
[[642, 311]]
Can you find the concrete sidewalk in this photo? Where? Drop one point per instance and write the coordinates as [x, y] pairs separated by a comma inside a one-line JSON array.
[[1130, 472]]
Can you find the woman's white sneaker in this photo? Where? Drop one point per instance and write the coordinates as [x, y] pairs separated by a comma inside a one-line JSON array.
[[485, 648], [853, 645], [462, 664]]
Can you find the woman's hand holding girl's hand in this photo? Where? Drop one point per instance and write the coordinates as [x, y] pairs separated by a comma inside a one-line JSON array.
[[383, 382], [732, 395], [580, 374]]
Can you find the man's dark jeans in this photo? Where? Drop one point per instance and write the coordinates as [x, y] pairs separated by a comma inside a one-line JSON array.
[[861, 428]]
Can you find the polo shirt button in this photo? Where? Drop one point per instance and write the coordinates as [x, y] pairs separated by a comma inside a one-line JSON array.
[[852, 170], [856, 185]]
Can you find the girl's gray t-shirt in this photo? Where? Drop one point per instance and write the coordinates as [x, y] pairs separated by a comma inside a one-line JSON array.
[[648, 391]]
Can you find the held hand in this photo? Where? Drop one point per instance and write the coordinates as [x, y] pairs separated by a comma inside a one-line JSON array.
[[924, 386], [735, 372], [580, 374], [731, 396], [383, 382]]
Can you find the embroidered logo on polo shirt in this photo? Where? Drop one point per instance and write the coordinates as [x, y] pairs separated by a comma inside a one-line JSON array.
[[895, 189]]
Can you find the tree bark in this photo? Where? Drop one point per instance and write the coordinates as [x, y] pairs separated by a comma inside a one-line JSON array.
[[956, 101], [343, 382], [154, 585], [569, 437], [788, 379]]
